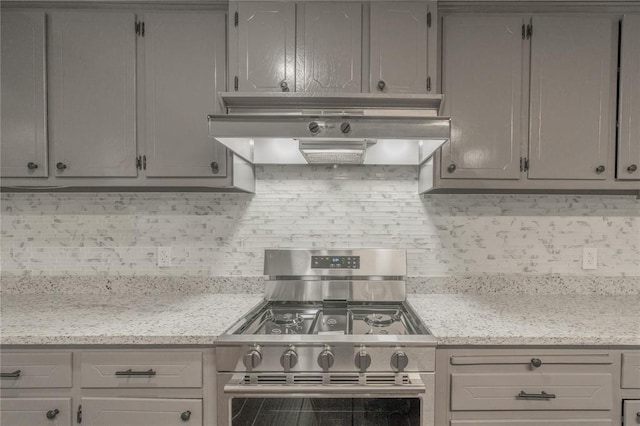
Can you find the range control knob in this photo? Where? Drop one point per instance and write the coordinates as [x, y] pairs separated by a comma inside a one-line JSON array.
[[399, 361], [289, 359], [326, 359], [362, 360], [252, 359]]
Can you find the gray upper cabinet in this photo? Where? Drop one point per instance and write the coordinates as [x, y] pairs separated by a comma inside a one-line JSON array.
[[482, 85], [93, 93], [23, 119], [330, 47], [629, 109], [184, 69], [265, 34], [572, 130], [398, 50]]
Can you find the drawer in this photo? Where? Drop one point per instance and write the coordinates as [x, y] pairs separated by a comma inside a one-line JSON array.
[[35, 370], [631, 412], [142, 369], [630, 370], [540, 422], [34, 411], [533, 359], [524, 391], [141, 412]]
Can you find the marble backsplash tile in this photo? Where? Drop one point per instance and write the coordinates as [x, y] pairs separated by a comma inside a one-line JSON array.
[[224, 235]]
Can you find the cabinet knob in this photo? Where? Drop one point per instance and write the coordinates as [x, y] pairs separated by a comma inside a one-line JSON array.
[[536, 362], [381, 85], [185, 416], [284, 86], [215, 169], [31, 165], [345, 127], [600, 169], [61, 166], [631, 169], [451, 168], [51, 414]]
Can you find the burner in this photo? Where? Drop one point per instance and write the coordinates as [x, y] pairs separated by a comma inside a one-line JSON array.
[[379, 320], [287, 319]]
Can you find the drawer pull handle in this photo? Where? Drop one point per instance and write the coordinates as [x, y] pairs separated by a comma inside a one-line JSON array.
[[541, 395], [536, 362], [51, 414], [130, 372], [185, 416], [12, 375]]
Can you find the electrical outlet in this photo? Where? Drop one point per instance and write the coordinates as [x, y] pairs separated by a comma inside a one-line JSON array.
[[589, 258], [164, 256]]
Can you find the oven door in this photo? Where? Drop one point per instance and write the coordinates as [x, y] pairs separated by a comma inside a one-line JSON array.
[[318, 400]]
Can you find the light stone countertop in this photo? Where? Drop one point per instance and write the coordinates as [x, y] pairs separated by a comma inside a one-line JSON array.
[[198, 318], [520, 319]]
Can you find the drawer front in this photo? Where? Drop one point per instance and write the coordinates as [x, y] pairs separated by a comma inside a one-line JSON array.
[[523, 391], [35, 411], [630, 370], [543, 359], [631, 412], [152, 369], [35, 370], [541, 422], [141, 412]]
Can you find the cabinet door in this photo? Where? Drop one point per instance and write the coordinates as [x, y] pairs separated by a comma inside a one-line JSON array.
[[35, 411], [141, 412], [184, 69], [482, 85], [572, 87], [631, 412], [266, 39], [331, 47], [93, 95], [398, 47], [23, 111], [629, 110]]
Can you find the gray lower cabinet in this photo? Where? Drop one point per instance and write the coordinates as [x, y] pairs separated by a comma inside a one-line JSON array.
[[184, 70], [141, 412], [35, 411], [93, 93], [329, 46], [23, 130], [629, 100], [631, 412], [630, 377]]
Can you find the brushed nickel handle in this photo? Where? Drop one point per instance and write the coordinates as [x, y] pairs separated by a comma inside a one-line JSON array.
[[130, 372], [31, 165], [51, 414], [185, 416], [536, 362], [284, 86], [600, 169], [61, 166], [12, 375], [215, 169], [632, 168], [381, 85], [451, 168], [541, 395]]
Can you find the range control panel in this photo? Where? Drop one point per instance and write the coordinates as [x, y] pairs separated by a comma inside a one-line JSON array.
[[335, 262]]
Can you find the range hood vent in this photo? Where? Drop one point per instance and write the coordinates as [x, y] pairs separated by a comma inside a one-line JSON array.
[[303, 128]]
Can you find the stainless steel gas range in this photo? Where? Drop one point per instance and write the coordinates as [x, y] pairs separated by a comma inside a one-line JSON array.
[[334, 343]]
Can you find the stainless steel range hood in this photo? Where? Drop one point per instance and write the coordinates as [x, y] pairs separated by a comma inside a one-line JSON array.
[[303, 128]]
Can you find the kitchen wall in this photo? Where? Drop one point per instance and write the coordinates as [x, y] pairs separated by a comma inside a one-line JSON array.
[[299, 206]]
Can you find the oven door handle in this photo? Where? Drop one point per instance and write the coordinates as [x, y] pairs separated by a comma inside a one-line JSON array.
[[235, 386]]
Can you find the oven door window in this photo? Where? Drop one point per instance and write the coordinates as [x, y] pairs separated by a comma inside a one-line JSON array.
[[325, 411]]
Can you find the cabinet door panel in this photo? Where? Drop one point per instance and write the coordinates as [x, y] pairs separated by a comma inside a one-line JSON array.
[[93, 93], [572, 84], [629, 134], [332, 47], [482, 84], [33, 411], [398, 47], [140, 412], [266, 35], [184, 67], [23, 119], [631, 412]]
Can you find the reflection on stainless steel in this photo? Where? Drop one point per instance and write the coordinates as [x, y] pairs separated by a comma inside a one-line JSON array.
[[336, 342]]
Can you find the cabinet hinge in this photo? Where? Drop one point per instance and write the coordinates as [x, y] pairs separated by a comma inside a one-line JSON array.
[[235, 83], [428, 84], [79, 414], [140, 28], [529, 31], [236, 19], [428, 19]]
